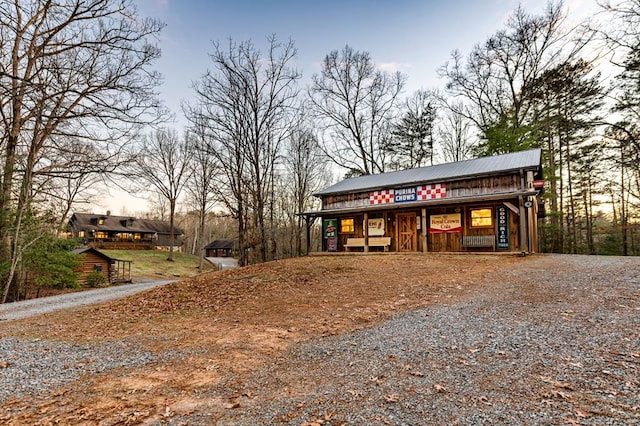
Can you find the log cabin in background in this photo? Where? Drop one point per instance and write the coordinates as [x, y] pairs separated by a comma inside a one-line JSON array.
[[123, 232], [92, 260], [221, 248], [485, 204]]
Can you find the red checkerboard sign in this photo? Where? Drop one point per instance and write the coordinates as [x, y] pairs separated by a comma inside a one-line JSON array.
[[432, 192], [381, 197]]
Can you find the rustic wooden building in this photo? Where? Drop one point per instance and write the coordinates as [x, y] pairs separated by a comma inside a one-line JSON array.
[[122, 232], [220, 248], [485, 204], [92, 260]]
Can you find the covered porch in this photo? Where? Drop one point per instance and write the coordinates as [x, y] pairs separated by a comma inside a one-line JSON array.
[[484, 224]]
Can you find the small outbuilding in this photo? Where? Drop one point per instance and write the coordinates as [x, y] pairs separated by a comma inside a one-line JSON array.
[[485, 204], [220, 248], [115, 270]]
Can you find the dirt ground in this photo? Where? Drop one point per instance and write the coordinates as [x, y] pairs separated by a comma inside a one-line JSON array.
[[236, 321]]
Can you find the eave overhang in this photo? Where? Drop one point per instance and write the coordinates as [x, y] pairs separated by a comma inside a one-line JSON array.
[[420, 204]]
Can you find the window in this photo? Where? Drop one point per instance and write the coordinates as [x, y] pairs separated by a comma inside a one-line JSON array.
[[481, 218], [101, 221], [97, 268], [347, 226], [101, 235]]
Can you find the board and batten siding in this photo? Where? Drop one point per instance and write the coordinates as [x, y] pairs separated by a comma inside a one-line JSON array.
[[456, 189]]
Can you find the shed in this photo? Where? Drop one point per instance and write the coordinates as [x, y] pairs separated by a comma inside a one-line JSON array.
[[220, 248], [93, 260]]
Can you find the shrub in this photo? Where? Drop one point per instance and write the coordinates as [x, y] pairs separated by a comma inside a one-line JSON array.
[[96, 279]]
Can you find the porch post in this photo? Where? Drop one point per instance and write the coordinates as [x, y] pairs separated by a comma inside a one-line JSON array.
[[365, 231], [308, 232], [423, 227], [533, 220], [524, 246]]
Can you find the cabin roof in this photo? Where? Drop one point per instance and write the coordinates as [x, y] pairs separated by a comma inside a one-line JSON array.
[[498, 164], [83, 250], [220, 244], [83, 221]]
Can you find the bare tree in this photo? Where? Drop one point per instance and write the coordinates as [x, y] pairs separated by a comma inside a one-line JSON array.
[[202, 185], [64, 195], [621, 35], [68, 174], [454, 134], [306, 173], [622, 31], [495, 79], [247, 104], [67, 69], [355, 102], [163, 164]]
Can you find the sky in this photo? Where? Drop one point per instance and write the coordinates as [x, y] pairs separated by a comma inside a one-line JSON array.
[[415, 37]]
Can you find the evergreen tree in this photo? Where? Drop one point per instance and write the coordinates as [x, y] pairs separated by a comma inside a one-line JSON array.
[[411, 143], [51, 263], [566, 100], [505, 135]]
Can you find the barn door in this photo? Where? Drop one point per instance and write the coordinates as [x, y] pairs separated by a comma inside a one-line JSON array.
[[407, 238]]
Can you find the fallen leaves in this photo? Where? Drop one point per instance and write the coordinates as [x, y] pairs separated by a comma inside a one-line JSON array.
[[557, 384], [557, 392], [231, 405], [409, 369], [391, 398], [439, 388], [319, 421], [247, 316]]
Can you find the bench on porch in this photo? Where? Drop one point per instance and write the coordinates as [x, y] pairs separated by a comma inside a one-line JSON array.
[[384, 242], [475, 241]]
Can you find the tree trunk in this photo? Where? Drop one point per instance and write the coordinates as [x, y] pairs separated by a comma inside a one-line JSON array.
[[201, 240], [571, 227], [172, 217]]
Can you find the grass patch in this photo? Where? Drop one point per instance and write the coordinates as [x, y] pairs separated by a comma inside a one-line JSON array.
[[154, 263]]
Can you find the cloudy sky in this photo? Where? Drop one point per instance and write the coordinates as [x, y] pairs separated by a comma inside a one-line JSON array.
[[412, 36]]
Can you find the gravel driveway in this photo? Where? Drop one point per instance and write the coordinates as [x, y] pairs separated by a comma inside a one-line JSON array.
[[43, 305], [554, 339], [31, 367], [556, 342]]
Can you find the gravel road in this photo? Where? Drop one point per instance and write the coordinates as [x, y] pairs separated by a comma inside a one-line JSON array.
[[43, 305], [32, 366], [552, 340]]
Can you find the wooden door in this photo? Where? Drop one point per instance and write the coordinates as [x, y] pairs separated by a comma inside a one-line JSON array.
[[407, 237]]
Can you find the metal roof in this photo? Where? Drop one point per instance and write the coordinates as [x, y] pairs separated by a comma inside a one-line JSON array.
[[530, 159]]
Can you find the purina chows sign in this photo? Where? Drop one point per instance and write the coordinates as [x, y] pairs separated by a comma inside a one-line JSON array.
[[409, 194], [405, 195]]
